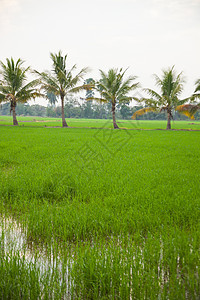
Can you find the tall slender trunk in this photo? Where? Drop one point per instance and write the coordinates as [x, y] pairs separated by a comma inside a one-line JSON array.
[[169, 115], [12, 108], [64, 123], [113, 116]]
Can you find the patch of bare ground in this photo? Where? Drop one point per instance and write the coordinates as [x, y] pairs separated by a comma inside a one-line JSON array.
[[38, 121], [124, 128]]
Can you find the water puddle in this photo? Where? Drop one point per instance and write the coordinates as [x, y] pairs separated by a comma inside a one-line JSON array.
[[47, 262]]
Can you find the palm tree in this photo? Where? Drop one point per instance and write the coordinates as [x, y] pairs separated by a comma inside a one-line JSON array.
[[60, 81], [13, 86], [171, 86], [113, 88], [190, 109]]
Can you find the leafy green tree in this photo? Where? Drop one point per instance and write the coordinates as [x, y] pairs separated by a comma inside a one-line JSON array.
[[113, 89], [22, 109], [89, 92], [190, 109], [171, 86], [13, 85], [5, 109], [61, 81], [125, 111], [87, 110]]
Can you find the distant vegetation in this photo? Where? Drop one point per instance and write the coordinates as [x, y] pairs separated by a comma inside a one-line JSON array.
[[86, 110]]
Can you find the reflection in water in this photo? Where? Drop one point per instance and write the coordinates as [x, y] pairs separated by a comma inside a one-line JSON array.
[[49, 262]]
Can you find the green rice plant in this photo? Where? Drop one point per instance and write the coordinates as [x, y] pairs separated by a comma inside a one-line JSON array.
[[121, 222], [124, 269], [34, 274], [20, 279], [17, 279]]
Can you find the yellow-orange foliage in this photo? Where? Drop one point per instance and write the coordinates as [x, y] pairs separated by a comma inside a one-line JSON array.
[[142, 111], [186, 110]]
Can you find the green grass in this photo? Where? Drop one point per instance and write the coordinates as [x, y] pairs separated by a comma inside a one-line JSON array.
[[121, 207], [96, 123]]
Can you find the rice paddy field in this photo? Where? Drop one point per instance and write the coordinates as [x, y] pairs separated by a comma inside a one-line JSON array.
[[99, 123], [89, 212]]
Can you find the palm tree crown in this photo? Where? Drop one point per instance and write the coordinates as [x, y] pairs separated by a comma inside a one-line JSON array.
[[171, 86], [61, 81], [113, 88], [13, 85]]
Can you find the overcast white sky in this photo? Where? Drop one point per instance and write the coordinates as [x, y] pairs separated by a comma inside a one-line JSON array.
[[145, 35]]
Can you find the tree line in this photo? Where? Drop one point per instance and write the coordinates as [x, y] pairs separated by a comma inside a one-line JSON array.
[[112, 92], [86, 110]]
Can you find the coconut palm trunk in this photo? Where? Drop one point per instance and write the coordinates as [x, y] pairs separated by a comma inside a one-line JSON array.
[[14, 116], [64, 123], [12, 106], [113, 116], [169, 115]]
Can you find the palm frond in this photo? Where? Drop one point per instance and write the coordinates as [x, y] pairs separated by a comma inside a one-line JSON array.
[[49, 83], [188, 109], [77, 89], [25, 96], [2, 97], [125, 99], [183, 101], [4, 89], [152, 93], [194, 97], [78, 77], [197, 83], [104, 90], [196, 94], [97, 99], [150, 102], [59, 63], [143, 111], [127, 86], [32, 84], [158, 80]]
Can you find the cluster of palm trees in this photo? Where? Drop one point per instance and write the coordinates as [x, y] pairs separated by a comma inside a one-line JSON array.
[[112, 87]]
